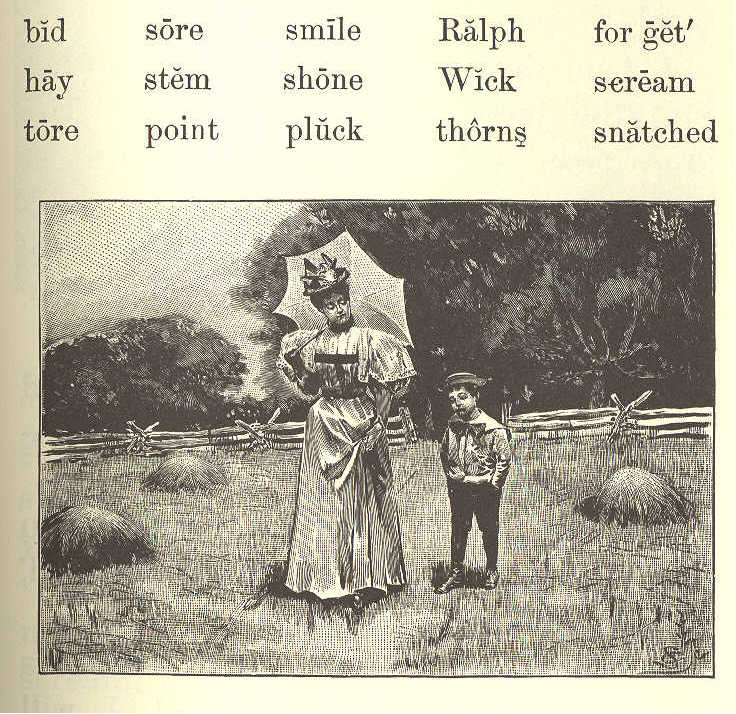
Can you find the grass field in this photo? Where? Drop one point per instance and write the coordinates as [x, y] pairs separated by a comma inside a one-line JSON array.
[[574, 597]]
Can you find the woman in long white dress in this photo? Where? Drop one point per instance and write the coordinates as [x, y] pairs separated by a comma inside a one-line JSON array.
[[345, 538]]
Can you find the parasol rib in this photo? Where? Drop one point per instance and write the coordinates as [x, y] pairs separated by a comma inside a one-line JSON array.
[[377, 296]]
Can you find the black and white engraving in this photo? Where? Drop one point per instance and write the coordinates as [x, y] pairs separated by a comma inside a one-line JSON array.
[[436, 438]]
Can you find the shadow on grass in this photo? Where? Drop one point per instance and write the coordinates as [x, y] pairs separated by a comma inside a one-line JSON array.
[[439, 572], [340, 608]]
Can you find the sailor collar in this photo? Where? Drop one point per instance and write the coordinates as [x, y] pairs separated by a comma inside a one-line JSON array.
[[480, 425]]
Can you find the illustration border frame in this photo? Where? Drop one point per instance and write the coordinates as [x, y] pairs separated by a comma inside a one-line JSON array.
[[710, 203]]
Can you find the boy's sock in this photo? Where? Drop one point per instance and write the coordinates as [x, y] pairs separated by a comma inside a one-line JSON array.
[[490, 545], [458, 546]]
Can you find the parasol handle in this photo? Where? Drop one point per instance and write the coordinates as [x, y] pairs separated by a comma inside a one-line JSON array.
[[297, 350], [294, 359]]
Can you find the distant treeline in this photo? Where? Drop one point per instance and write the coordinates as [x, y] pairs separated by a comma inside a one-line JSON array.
[[162, 369], [559, 303]]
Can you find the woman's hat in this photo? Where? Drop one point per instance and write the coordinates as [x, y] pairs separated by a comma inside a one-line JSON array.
[[459, 378], [325, 276]]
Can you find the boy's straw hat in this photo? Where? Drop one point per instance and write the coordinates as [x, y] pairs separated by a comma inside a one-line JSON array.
[[460, 378]]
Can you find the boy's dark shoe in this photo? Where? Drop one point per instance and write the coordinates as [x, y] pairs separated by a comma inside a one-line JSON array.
[[490, 580], [357, 602], [455, 580]]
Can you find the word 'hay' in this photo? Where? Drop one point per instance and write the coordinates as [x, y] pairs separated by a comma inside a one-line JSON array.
[[633, 495], [79, 539], [185, 472]]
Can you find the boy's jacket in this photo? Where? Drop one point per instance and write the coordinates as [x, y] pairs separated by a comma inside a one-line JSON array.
[[476, 451]]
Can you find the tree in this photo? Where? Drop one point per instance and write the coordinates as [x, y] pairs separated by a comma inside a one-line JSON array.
[[568, 301], [681, 247], [633, 310], [578, 322], [161, 369]]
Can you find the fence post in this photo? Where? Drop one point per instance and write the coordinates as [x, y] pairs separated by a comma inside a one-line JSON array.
[[624, 412], [408, 424]]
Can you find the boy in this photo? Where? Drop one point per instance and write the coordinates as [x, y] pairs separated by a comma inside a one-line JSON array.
[[476, 456]]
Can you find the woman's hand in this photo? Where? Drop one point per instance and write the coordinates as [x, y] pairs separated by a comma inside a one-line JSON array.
[[382, 399], [295, 361], [373, 435], [292, 365]]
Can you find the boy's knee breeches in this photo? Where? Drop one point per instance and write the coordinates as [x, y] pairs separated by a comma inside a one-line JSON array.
[[466, 499]]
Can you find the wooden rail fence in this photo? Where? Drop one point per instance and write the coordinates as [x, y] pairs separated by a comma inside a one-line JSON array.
[[285, 436], [695, 422]]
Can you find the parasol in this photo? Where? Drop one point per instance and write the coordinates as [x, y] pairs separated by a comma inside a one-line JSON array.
[[376, 298]]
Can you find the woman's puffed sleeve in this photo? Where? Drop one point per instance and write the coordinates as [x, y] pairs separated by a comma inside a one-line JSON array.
[[388, 361]]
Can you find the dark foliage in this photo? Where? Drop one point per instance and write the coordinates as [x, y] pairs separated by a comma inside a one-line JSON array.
[[561, 304], [162, 369]]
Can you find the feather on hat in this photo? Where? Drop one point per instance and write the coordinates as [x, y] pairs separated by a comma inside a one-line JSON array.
[[325, 276]]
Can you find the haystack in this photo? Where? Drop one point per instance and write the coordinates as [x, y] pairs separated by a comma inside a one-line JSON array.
[[185, 472], [633, 495], [79, 539]]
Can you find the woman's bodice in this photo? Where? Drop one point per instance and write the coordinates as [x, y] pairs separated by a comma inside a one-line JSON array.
[[336, 362], [343, 363]]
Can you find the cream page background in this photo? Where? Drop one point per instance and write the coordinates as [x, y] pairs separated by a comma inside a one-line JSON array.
[[245, 54]]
